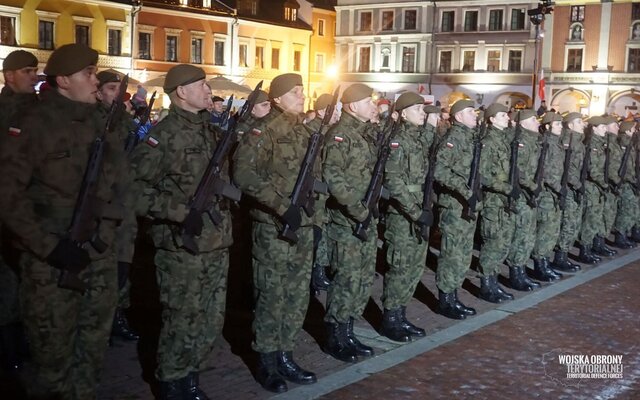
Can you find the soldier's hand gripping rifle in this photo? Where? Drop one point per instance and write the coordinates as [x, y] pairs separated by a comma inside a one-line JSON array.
[[375, 190], [87, 211], [211, 184], [564, 181], [426, 219], [132, 138], [539, 176], [475, 184], [514, 172], [303, 194]]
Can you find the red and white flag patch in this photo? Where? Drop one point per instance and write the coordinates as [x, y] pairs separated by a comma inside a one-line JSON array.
[[338, 139], [520, 144], [15, 132], [256, 132], [450, 145], [153, 142], [394, 145]]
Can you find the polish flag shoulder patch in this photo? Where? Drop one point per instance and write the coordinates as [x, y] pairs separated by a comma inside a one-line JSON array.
[[394, 145], [256, 132], [520, 144], [153, 142], [15, 132], [450, 145], [338, 139]]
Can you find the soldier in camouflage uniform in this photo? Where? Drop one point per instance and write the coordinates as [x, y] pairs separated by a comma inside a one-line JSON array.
[[596, 187], [407, 252], [452, 174], [108, 87], [319, 280], [572, 214], [525, 206], [613, 194], [549, 214], [43, 163], [17, 96], [497, 222], [350, 154], [628, 207], [168, 166], [266, 165]]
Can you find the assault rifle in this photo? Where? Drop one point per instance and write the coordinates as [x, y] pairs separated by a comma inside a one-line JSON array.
[[539, 176], [306, 185], [514, 172], [474, 174], [622, 171], [427, 197], [564, 181], [133, 139], [211, 184], [607, 162], [584, 171], [87, 211], [375, 190]]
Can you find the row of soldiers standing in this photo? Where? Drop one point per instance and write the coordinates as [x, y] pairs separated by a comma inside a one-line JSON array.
[[43, 157]]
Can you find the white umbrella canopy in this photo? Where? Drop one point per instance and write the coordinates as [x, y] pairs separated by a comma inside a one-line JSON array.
[[223, 87]]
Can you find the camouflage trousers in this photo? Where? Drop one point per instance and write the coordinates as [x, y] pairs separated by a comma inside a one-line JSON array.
[[571, 222], [628, 209], [496, 229], [548, 220], [67, 331], [193, 291], [593, 219], [9, 302], [455, 249], [524, 233], [610, 209], [406, 258], [281, 275], [353, 263], [322, 249]]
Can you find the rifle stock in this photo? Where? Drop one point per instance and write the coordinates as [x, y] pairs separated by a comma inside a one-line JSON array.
[[427, 197], [539, 176], [564, 180], [474, 183]]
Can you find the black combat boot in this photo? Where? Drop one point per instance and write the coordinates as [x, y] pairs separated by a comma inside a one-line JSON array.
[[267, 373], [361, 349], [392, 326], [461, 307], [499, 290], [408, 326], [192, 390], [518, 280], [635, 234], [338, 345], [600, 248], [542, 272], [319, 280], [447, 306], [292, 372], [586, 257], [561, 263], [622, 242], [120, 326], [490, 290], [172, 390]]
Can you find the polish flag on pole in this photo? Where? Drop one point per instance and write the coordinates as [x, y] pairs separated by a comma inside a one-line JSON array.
[[541, 86], [420, 88]]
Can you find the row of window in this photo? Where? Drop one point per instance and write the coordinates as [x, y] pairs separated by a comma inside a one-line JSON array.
[[410, 20]]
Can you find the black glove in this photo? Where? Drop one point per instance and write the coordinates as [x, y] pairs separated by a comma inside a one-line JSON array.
[[292, 217], [193, 224], [68, 256], [426, 218]]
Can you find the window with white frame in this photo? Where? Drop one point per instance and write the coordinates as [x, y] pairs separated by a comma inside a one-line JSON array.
[[243, 55], [387, 20], [319, 61], [446, 56], [82, 34], [8, 30], [171, 48], [633, 59], [574, 59], [275, 58], [297, 58], [468, 60], [365, 18], [517, 19], [470, 21], [218, 51], [409, 58], [115, 42], [410, 21], [577, 13], [494, 58], [364, 59], [386, 56], [495, 20], [515, 61], [196, 50], [144, 45], [321, 23], [448, 21], [45, 35], [259, 61]]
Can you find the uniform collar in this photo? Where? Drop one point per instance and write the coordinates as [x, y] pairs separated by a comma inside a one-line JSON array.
[[188, 117]]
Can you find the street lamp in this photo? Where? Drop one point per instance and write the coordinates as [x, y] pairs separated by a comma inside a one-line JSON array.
[[536, 16]]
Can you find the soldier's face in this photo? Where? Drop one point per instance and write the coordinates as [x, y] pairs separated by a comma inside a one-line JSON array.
[[293, 101], [600, 130], [22, 80], [364, 109], [531, 124], [467, 117], [500, 120], [432, 119], [81, 86], [613, 128], [261, 109], [556, 127], [577, 125], [196, 96], [414, 114], [108, 92]]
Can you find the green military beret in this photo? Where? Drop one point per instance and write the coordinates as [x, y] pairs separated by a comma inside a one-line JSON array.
[[19, 59], [431, 109], [323, 101], [610, 119], [494, 109], [525, 114], [461, 105], [182, 75], [408, 99], [356, 92], [261, 97], [281, 84], [571, 116], [106, 77], [627, 125], [69, 59], [549, 117], [597, 120]]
